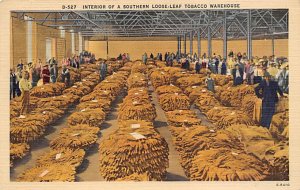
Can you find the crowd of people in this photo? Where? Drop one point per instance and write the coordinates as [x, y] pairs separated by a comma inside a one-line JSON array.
[[42, 73], [124, 56], [270, 73], [243, 70]]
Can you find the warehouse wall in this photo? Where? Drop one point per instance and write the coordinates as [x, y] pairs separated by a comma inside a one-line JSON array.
[[137, 48], [68, 45], [18, 41], [97, 47], [42, 33], [60, 48]]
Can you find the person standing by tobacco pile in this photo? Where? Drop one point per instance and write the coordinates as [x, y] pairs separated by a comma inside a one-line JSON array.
[[45, 74], [197, 67], [283, 78], [25, 86], [103, 70], [223, 67], [35, 75], [18, 78], [13, 82], [65, 75], [53, 72], [237, 74], [210, 83], [267, 91]]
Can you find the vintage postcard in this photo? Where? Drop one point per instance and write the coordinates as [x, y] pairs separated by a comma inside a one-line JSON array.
[[163, 95]]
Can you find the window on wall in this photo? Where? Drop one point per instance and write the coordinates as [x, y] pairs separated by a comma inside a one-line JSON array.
[[29, 38], [62, 32], [48, 49]]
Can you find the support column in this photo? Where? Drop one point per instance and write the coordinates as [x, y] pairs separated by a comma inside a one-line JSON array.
[[199, 43], [179, 45], [191, 43], [273, 45], [272, 33], [225, 36], [249, 36], [80, 44], [209, 41], [184, 43], [107, 53]]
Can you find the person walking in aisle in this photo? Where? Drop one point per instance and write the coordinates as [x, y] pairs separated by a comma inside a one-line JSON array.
[[210, 83], [25, 86], [267, 91], [103, 70]]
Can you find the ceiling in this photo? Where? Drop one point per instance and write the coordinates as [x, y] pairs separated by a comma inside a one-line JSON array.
[[149, 23]]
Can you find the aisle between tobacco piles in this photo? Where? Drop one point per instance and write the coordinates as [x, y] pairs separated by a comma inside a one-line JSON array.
[[40, 146], [175, 171], [90, 168]]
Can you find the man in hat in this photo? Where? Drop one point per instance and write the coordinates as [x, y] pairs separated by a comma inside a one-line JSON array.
[[272, 69], [34, 75], [65, 75], [267, 91], [283, 78], [45, 74], [53, 72], [237, 74]]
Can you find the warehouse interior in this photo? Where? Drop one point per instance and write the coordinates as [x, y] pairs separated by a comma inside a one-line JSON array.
[[146, 121]]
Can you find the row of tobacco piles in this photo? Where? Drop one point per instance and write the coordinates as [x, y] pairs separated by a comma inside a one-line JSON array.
[[236, 148], [135, 151], [67, 151]]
